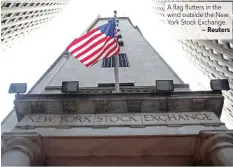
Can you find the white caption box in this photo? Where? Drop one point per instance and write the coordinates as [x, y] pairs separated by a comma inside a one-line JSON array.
[[199, 20]]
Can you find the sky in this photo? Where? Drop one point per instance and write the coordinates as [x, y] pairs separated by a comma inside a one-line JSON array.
[[31, 56]]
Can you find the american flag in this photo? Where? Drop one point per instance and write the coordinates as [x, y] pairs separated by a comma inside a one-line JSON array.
[[97, 44]]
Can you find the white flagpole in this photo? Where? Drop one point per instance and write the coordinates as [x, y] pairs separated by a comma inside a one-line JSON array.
[[116, 62]]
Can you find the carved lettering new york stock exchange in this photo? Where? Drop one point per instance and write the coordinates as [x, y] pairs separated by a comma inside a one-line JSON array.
[[119, 119]]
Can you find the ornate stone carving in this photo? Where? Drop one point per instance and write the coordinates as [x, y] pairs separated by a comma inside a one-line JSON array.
[[91, 102], [134, 105], [69, 106], [37, 107], [101, 105]]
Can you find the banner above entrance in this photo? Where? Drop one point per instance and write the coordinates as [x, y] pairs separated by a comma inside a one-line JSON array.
[[123, 119]]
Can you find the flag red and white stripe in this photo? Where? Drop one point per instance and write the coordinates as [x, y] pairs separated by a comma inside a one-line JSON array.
[[94, 46]]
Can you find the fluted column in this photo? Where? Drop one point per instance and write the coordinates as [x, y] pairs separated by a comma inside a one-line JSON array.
[[218, 149], [22, 151]]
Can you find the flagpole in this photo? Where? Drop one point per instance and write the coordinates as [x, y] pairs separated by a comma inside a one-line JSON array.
[[116, 62]]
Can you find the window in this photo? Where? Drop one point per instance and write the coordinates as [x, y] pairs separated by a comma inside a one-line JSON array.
[[231, 45], [17, 14], [119, 36], [206, 47], [24, 13], [109, 62], [4, 29], [123, 60], [8, 15], [215, 52], [225, 57], [211, 58], [230, 69], [121, 43], [213, 75], [12, 27], [11, 20], [16, 5], [25, 5], [7, 5], [4, 21]]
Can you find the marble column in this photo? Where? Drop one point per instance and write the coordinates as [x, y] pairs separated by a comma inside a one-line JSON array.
[[21, 151], [218, 149], [16, 157]]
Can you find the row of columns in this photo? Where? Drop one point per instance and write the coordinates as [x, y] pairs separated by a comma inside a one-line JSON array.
[[22, 151]]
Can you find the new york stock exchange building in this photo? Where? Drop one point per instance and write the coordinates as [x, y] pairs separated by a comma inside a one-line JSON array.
[[73, 116]]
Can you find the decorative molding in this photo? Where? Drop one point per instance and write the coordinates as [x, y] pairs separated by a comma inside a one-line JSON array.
[[69, 106], [134, 105], [37, 107], [134, 102], [101, 105]]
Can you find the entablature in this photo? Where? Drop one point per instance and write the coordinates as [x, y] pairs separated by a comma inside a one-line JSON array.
[[132, 102]]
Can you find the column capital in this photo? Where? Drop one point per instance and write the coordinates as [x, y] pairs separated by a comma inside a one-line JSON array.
[[30, 144], [209, 145]]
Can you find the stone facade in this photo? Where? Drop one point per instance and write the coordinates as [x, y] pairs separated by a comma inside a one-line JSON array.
[[139, 126]]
